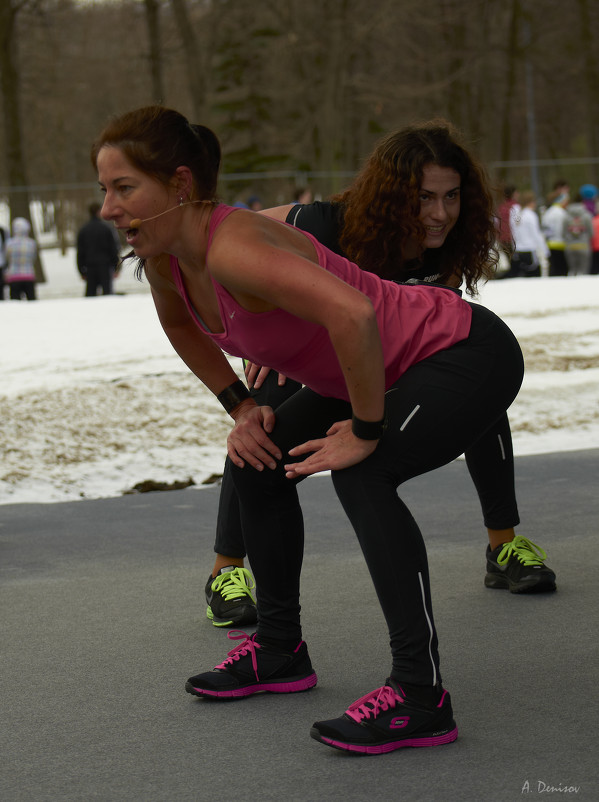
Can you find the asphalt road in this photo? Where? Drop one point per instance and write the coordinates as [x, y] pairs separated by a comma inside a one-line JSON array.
[[103, 620]]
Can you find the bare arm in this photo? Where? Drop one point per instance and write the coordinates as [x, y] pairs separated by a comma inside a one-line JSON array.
[[198, 351], [206, 360], [267, 266], [256, 374], [264, 272]]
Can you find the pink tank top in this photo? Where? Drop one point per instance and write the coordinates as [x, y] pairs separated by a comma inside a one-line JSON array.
[[414, 321]]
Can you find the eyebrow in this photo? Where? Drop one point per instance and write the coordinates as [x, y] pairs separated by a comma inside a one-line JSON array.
[[432, 192], [116, 180]]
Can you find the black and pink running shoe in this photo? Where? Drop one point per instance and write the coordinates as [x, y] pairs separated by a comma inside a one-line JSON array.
[[255, 668], [384, 720]]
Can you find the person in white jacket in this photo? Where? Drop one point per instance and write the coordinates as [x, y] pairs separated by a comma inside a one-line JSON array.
[[531, 251]]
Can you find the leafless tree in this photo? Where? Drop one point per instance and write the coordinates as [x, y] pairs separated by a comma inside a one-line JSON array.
[[155, 56], [299, 85], [10, 85], [10, 88]]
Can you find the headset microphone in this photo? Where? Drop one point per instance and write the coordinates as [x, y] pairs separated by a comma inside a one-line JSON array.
[[137, 221]]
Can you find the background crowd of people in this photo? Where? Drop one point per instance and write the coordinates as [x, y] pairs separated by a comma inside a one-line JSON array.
[[561, 238]]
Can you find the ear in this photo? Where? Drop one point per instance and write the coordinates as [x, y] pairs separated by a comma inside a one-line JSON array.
[[183, 182]]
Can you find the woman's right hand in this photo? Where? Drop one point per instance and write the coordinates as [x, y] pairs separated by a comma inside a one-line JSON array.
[[256, 374], [248, 441]]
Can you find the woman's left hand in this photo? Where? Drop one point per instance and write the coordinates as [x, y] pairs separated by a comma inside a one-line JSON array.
[[339, 449]]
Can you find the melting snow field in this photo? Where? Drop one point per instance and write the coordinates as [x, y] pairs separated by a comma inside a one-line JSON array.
[[94, 400]]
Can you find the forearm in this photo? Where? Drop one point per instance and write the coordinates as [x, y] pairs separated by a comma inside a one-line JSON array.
[[202, 357], [360, 354], [248, 441]]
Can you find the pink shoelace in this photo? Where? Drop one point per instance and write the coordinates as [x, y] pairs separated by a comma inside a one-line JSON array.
[[381, 699], [248, 646]]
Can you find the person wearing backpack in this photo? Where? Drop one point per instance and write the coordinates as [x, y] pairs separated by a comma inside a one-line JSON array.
[[578, 232], [552, 223]]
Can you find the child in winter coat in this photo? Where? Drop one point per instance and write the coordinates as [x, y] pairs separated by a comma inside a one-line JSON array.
[[21, 252]]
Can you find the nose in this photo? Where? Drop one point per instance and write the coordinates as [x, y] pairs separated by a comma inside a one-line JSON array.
[[439, 212], [107, 211]]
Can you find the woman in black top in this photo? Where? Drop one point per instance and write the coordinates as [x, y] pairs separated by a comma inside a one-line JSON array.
[[420, 210]]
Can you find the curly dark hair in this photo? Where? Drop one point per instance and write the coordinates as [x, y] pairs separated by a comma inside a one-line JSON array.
[[382, 205]]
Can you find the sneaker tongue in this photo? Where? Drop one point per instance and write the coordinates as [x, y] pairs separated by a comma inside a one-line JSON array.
[[227, 569]]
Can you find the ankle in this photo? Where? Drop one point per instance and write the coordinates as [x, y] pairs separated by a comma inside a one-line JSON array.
[[498, 537], [223, 561]]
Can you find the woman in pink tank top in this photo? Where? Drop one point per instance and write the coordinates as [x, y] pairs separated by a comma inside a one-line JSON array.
[[399, 380]]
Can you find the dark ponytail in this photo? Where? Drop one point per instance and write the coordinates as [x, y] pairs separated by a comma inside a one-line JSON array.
[[157, 141], [209, 141]]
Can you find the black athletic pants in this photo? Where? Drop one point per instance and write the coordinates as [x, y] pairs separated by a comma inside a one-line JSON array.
[[436, 410], [22, 289], [490, 461]]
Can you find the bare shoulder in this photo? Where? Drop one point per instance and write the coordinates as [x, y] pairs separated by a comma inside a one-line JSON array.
[[278, 212], [245, 231]]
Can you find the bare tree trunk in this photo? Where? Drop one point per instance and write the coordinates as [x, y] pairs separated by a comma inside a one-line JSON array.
[[9, 87], [591, 73], [457, 95], [331, 118], [193, 59], [18, 195], [513, 58], [155, 56]]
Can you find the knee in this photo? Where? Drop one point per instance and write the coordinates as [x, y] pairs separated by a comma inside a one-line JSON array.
[[364, 481], [249, 481]]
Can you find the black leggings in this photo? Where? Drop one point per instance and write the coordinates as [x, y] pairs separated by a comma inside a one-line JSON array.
[[490, 461], [436, 410], [22, 289]]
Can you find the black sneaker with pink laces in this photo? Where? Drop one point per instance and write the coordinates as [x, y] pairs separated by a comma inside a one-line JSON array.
[[252, 667], [385, 720]]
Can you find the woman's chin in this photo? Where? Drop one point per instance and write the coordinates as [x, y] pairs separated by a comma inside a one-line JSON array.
[[434, 242]]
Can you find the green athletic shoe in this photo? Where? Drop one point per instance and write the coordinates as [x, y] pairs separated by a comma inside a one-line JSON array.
[[229, 597], [518, 566]]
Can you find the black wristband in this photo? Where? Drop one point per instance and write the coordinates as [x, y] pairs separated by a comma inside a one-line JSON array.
[[368, 430], [233, 395]]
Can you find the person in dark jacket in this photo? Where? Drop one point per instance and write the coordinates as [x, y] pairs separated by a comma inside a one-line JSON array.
[[97, 253]]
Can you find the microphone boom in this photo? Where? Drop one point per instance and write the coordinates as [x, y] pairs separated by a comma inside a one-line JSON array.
[[137, 221]]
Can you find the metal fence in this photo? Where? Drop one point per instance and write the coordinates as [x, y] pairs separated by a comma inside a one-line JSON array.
[[58, 210]]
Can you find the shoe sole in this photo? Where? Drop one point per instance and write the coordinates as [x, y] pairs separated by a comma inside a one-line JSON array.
[[504, 583], [389, 746], [276, 686], [249, 617]]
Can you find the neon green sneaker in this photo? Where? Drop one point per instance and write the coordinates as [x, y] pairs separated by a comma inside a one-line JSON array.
[[229, 597], [518, 566]]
